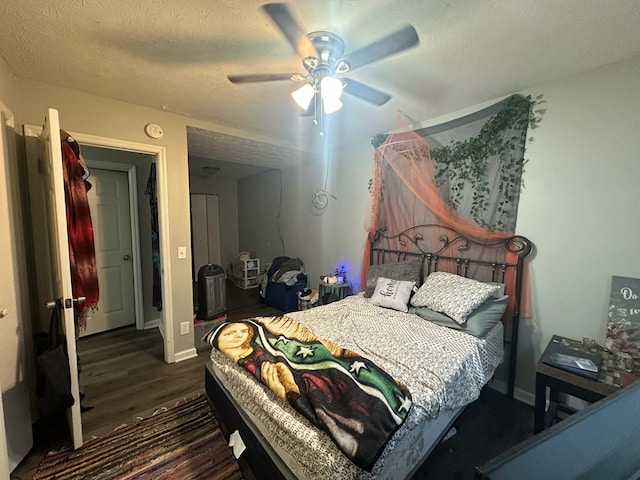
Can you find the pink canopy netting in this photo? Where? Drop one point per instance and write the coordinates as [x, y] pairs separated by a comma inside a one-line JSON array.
[[404, 193]]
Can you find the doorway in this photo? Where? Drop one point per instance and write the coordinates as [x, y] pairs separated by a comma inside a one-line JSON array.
[[122, 229], [165, 318]]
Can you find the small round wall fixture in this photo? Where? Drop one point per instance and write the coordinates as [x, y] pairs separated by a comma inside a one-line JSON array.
[[153, 130]]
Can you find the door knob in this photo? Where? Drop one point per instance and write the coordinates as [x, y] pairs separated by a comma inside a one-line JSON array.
[[4, 312], [126, 257]]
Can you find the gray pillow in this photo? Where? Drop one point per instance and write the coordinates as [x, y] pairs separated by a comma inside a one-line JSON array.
[[478, 323], [452, 294], [408, 271], [390, 293]]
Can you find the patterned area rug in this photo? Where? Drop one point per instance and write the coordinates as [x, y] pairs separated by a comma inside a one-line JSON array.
[[183, 442]]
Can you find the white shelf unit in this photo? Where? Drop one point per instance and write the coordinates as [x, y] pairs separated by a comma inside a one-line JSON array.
[[245, 273]]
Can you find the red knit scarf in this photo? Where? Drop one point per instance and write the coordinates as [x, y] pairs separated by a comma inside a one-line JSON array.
[[82, 257]]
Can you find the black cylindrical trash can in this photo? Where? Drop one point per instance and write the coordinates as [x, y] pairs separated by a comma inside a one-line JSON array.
[[212, 292]]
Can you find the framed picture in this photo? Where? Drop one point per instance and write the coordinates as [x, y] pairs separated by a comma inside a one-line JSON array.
[[623, 322]]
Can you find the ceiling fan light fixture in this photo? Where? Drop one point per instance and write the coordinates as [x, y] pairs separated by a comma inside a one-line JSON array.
[[331, 105], [304, 95], [208, 171], [323, 56], [331, 87], [331, 91]]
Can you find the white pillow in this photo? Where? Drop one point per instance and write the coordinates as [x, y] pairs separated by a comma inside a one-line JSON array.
[[392, 293], [453, 295]]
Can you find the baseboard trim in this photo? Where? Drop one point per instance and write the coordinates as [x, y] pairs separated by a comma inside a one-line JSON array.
[[185, 354], [152, 324], [518, 393], [161, 329]]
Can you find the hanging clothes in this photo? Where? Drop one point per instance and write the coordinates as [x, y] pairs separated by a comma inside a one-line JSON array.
[[82, 255], [155, 237]]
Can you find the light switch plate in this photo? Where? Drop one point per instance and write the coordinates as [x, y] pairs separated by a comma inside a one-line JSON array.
[[184, 328], [182, 252]]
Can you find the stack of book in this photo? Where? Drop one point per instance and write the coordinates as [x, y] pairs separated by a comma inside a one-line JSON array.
[[572, 360]]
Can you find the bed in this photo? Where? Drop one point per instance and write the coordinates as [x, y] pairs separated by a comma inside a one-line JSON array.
[[443, 361]]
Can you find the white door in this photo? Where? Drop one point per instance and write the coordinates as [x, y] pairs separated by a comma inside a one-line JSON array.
[[16, 438], [205, 231], [109, 205], [213, 228], [59, 243]]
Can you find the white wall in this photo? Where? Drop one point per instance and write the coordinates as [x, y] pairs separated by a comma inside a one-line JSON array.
[[259, 200], [7, 86], [580, 204], [344, 234], [17, 392], [275, 217]]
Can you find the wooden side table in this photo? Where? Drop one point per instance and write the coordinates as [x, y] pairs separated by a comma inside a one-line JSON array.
[[561, 381], [330, 292]]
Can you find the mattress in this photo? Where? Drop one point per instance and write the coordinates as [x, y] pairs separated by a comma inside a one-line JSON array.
[[444, 370]]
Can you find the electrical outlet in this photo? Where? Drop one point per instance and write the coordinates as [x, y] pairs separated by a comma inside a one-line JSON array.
[[184, 328]]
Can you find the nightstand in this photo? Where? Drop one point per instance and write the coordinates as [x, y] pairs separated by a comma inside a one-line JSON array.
[[560, 381], [330, 292]]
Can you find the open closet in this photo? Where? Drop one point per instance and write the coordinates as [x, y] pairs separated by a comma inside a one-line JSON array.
[[205, 231]]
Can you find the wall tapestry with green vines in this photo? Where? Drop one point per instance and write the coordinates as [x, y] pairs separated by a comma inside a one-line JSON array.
[[478, 160]]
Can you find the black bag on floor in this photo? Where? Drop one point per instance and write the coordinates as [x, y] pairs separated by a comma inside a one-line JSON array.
[[53, 385]]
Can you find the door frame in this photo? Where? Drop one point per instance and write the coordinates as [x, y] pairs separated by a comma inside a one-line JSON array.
[[132, 176], [13, 450], [160, 152]]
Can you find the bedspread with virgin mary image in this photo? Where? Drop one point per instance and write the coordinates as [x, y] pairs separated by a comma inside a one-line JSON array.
[[359, 405]]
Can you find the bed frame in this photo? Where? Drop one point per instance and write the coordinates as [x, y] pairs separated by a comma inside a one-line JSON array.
[[451, 246], [259, 458]]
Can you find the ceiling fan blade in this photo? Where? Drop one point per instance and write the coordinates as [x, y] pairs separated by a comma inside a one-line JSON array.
[[282, 17], [396, 42], [365, 92], [259, 77]]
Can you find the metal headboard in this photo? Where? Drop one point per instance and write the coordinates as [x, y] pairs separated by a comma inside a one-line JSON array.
[[435, 245]]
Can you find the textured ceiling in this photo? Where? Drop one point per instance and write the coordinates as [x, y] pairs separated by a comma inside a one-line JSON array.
[[236, 157], [175, 55]]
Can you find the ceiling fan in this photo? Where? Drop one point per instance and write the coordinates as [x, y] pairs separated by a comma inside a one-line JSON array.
[[325, 62]]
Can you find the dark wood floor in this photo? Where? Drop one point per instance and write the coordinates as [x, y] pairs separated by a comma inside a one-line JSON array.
[[124, 376], [486, 428]]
